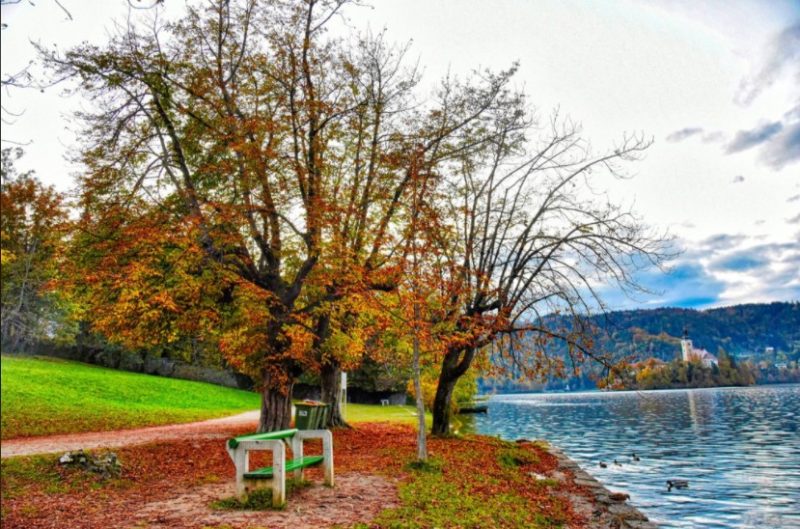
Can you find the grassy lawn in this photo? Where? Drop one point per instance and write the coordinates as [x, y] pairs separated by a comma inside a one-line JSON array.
[[355, 413], [48, 396]]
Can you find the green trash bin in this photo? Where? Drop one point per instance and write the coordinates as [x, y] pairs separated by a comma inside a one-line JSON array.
[[310, 415]]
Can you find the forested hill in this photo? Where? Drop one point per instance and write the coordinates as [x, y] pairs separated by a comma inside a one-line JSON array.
[[742, 330]]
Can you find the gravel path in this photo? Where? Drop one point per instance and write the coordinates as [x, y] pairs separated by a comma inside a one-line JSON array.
[[65, 442]]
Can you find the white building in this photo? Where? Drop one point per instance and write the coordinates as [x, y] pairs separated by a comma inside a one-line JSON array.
[[690, 353]]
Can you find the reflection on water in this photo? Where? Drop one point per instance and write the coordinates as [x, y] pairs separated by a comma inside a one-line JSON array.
[[739, 448]]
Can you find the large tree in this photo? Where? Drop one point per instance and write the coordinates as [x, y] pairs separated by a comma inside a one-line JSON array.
[[229, 119], [273, 155]]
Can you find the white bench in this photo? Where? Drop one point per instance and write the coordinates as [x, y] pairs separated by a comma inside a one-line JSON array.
[[275, 476]]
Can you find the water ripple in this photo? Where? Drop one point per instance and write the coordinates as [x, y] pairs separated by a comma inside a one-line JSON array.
[[739, 448]]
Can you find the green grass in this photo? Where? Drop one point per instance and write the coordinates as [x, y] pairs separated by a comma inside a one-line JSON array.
[[433, 499], [46, 396], [514, 456], [43, 396], [259, 499], [355, 413], [20, 475]]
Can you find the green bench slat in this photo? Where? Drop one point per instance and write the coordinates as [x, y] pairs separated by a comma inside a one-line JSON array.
[[280, 434], [266, 472]]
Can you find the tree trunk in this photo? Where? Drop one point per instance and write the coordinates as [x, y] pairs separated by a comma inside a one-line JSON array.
[[330, 374], [422, 442], [276, 401], [442, 409], [455, 364], [331, 390]]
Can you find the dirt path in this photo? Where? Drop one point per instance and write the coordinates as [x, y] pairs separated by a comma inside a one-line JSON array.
[[209, 429], [358, 497]]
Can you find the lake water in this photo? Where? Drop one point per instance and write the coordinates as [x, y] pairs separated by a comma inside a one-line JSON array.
[[739, 448]]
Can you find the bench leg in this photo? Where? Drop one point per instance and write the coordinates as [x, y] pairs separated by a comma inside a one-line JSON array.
[[327, 453], [297, 453], [327, 449], [240, 460], [279, 475]]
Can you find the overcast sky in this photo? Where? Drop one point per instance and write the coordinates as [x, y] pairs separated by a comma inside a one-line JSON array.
[[715, 83]]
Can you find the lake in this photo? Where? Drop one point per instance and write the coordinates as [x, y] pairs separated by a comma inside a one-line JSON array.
[[739, 448]]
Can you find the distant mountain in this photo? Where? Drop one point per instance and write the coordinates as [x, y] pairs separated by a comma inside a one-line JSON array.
[[742, 330], [758, 331]]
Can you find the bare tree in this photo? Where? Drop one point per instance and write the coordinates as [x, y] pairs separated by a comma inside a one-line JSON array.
[[532, 237]]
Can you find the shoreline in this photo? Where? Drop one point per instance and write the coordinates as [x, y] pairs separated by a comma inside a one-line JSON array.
[[607, 512]]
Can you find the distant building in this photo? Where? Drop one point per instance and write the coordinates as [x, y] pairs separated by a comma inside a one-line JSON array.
[[690, 353]]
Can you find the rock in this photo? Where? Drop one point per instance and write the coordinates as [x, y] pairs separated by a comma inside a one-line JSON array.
[[78, 457], [626, 513], [106, 465], [639, 524], [601, 497], [586, 482]]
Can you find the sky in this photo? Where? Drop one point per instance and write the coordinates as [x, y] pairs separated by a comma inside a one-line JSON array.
[[716, 84]]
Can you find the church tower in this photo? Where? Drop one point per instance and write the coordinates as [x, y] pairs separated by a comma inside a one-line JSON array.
[[686, 346]]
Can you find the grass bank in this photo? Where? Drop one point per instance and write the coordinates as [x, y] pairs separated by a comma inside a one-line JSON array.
[[47, 396], [361, 413], [43, 396]]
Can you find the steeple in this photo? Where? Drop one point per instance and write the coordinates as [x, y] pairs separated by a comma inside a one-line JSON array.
[[686, 346]]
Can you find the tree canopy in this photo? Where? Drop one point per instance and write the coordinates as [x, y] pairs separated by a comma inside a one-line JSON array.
[[254, 180]]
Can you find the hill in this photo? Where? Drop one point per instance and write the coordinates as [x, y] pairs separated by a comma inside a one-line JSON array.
[[742, 330], [760, 332]]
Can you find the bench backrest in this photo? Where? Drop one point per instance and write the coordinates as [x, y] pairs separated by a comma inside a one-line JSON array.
[[280, 434]]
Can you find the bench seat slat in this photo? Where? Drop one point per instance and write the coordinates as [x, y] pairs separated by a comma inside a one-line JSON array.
[[280, 434], [266, 472]]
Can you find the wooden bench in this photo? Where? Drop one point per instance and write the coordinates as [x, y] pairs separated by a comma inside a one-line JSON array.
[[247, 480]]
